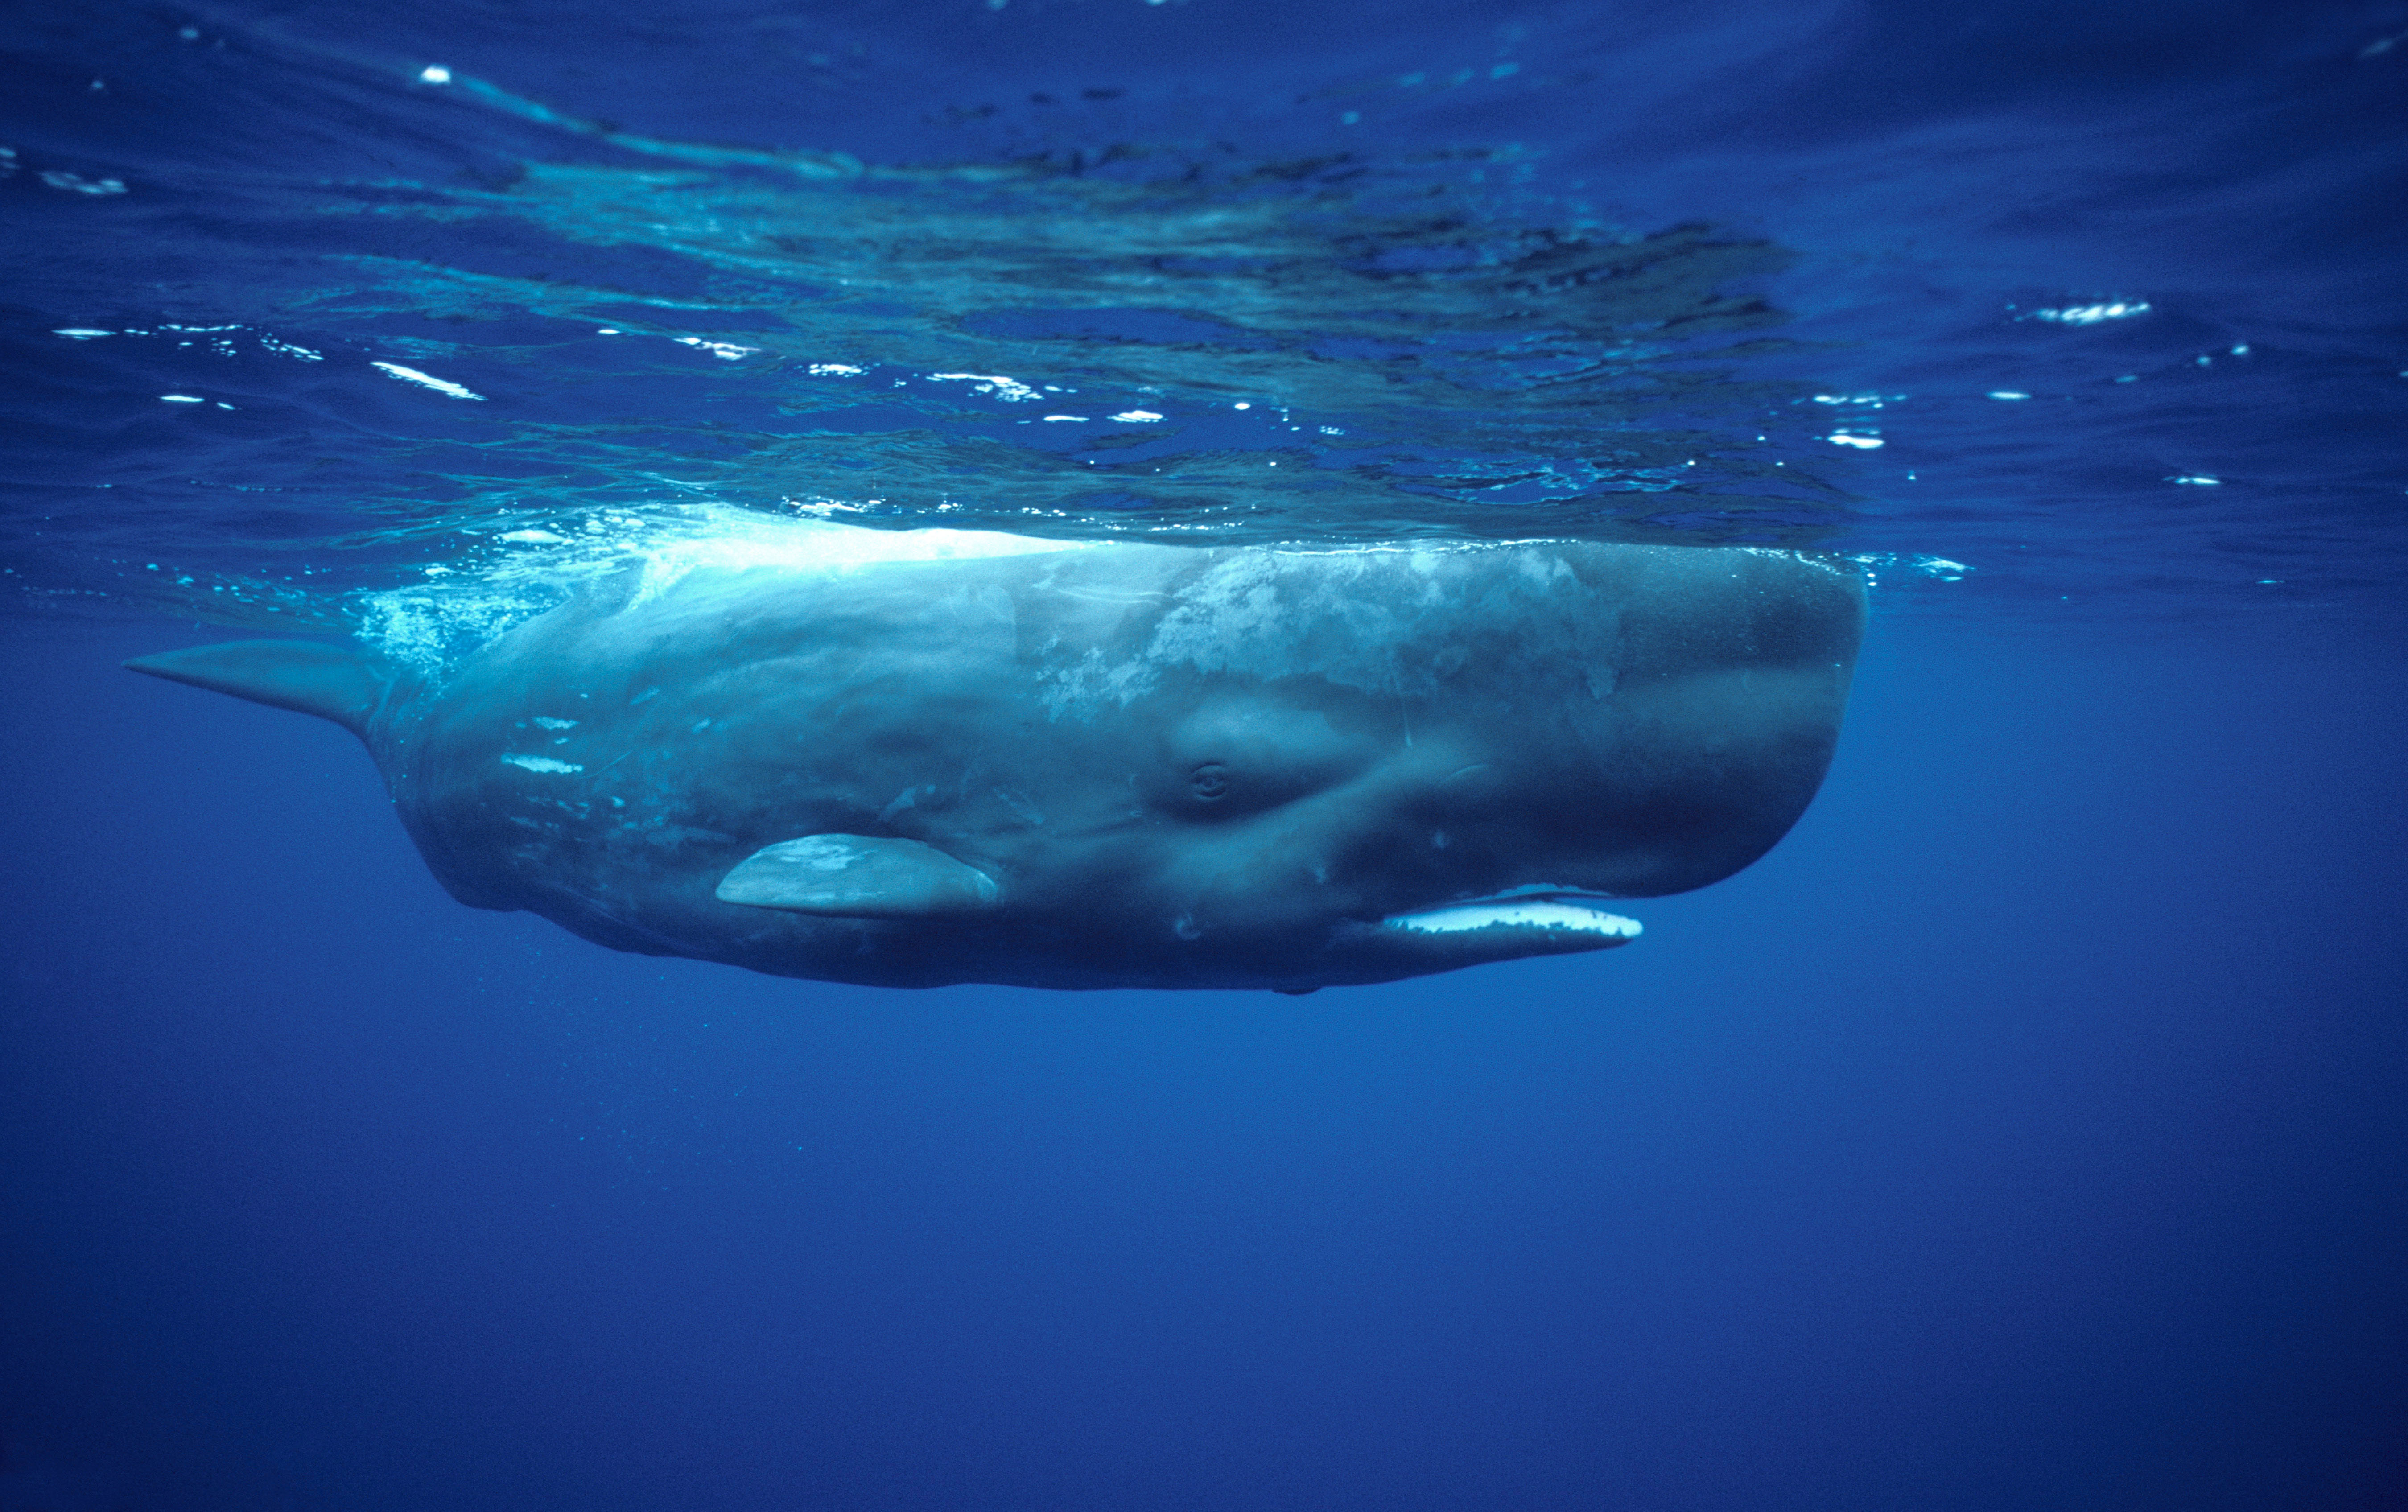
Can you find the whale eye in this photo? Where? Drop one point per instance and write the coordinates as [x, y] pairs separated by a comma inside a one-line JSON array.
[[1209, 782]]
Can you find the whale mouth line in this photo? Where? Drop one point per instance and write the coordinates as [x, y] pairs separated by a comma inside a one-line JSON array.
[[1544, 910]]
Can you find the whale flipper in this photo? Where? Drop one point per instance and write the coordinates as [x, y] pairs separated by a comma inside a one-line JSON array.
[[310, 677], [860, 877]]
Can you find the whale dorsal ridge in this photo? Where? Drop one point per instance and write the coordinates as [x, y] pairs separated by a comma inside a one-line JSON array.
[[312, 677], [859, 876]]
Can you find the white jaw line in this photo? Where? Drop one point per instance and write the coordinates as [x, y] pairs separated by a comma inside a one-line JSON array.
[[1550, 909]]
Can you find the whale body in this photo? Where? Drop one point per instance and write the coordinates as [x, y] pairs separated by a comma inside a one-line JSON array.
[[922, 758]]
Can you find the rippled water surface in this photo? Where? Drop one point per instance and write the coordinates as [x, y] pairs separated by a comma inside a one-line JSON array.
[[308, 309]]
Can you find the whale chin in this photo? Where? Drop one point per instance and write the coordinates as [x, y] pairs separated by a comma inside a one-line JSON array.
[[1548, 914], [1469, 932]]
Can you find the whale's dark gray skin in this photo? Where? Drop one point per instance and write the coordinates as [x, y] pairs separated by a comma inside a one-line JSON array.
[[1088, 765]]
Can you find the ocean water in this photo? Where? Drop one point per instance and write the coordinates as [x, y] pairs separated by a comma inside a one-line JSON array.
[[2027, 1131]]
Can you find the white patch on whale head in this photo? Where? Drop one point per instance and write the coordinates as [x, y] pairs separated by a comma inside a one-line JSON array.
[[542, 764]]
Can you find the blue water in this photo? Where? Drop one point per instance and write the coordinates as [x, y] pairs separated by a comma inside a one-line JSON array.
[[2024, 1132]]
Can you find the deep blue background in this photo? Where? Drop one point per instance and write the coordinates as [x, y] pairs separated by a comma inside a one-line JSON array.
[[2027, 1131]]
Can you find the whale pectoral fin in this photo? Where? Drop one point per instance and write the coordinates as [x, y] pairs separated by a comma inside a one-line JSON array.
[[332, 681], [859, 877]]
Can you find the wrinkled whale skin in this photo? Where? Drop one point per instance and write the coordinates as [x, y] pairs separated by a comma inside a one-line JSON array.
[[1095, 766]]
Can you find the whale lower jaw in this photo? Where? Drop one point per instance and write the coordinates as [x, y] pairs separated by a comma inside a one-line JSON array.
[[1559, 916]]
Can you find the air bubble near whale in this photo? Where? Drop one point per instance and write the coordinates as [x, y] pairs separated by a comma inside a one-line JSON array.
[[934, 757]]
